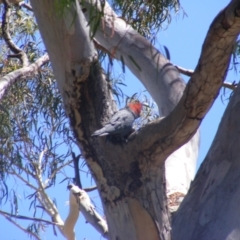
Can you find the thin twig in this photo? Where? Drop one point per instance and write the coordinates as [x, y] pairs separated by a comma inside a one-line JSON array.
[[189, 73], [24, 170], [7, 37], [28, 218], [89, 189], [22, 228], [24, 180], [229, 85], [184, 71], [57, 170]]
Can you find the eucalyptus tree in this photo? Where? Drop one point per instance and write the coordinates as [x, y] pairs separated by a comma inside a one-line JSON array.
[[141, 180]]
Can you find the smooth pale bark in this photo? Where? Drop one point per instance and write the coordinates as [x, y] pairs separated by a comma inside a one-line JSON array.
[[130, 177], [211, 209]]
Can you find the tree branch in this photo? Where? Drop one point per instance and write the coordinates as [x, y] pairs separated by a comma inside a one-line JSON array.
[[201, 90], [24, 170], [43, 198], [57, 170], [73, 76], [27, 218], [89, 189], [50, 208], [11, 77], [22, 228], [189, 73], [229, 85], [23, 180], [19, 53]]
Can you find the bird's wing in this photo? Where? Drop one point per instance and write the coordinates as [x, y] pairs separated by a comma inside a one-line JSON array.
[[116, 120], [122, 118]]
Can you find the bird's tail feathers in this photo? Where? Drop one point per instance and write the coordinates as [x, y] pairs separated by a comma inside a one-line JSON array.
[[99, 133]]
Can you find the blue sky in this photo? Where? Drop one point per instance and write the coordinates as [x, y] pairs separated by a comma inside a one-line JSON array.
[[184, 38]]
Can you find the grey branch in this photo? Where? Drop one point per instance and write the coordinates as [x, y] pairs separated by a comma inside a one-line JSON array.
[[11, 77]]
